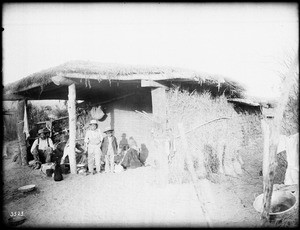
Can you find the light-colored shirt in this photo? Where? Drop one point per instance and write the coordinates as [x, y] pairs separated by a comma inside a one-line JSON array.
[[43, 144], [93, 137]]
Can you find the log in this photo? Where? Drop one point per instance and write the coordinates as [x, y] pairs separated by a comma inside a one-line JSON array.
[[72, 127], [271, 150], [60, 80], [191, 169], [21, 134]]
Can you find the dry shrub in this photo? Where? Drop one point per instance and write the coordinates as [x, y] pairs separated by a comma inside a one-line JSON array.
[[212, 145], [290, 122]]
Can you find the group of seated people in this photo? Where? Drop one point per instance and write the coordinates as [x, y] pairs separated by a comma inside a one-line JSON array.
[[112, 156]]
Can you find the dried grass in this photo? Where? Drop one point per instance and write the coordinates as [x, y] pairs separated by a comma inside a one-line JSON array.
[[206, 142]]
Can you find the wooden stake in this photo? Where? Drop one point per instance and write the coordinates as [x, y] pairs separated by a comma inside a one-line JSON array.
[[274, 132], [72, 127]]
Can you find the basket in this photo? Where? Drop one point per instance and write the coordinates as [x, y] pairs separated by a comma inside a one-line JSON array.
[[282, 203]]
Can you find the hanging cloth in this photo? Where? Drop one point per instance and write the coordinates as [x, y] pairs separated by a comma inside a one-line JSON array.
[[292, 150], [26, 129], [290, 144]]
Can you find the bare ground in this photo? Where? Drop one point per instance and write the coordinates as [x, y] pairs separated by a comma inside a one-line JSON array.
[[131, 198]]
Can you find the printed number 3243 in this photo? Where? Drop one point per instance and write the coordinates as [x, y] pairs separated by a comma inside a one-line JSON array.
[[16, 213]]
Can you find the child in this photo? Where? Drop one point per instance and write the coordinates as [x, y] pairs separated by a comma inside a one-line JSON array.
[[92, 140], [109, 149]]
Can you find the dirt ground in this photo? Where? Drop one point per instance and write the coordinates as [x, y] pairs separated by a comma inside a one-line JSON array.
[[131, 198]]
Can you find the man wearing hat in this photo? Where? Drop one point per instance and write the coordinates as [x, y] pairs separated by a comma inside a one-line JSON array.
[[92, 141], [109, 149], [42, 148]]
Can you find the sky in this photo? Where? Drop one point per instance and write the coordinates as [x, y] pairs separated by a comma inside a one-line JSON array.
[[244, 42]]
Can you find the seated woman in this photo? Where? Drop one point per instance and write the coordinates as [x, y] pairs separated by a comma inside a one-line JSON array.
[[131, 158]]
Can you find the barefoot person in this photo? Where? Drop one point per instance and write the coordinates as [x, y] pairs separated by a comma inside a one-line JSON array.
[[92, 141], [109, 149], [42, 148]]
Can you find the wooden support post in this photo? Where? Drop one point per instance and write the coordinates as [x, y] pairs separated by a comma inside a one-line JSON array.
[[198, 189], [21, 134], [159, 105], [270, 149], [159, 108], [72, 127]]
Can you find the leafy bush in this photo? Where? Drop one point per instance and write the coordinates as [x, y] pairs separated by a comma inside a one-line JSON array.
[[37, 114]]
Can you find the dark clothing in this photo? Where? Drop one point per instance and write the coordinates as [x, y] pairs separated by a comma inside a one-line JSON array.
[[124, 144], [105, 143], [131, 159], [58, 173]]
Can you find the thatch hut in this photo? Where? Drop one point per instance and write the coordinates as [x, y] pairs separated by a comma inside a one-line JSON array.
[[124, 93]]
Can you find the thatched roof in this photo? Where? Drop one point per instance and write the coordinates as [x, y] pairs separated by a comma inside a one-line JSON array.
[[83, 72]]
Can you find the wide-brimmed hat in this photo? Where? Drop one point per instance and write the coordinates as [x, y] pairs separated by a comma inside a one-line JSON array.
[[42, 131], [107, 129], [93, 122]]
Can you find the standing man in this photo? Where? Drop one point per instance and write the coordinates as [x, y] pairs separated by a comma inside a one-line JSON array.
[[109, 149], [42, 148], [92, 142]]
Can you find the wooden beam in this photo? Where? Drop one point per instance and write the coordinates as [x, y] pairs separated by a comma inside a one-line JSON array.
[[13, 97], [20, 133], [60, 80], [150, 83], [153, 76], [72, 127]]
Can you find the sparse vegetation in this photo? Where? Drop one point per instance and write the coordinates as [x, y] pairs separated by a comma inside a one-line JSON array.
[[216, 146]]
